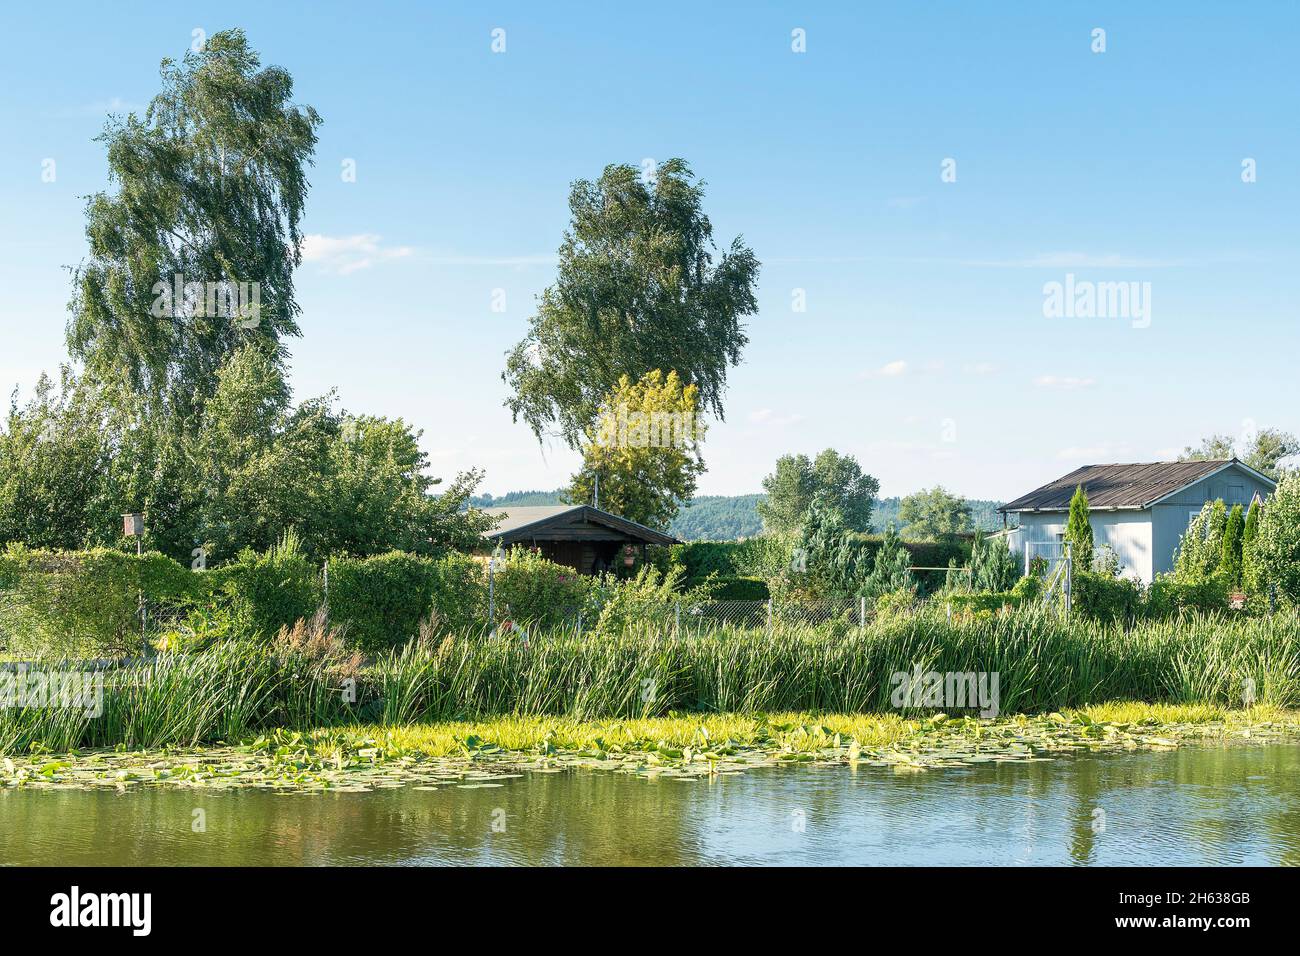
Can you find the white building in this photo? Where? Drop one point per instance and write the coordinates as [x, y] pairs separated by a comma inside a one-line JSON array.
[[1140, 511]]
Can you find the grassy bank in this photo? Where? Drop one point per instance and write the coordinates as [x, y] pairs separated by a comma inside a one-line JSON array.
[[233, 691]]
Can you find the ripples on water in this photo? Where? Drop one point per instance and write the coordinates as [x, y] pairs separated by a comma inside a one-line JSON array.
[[1194, 806]]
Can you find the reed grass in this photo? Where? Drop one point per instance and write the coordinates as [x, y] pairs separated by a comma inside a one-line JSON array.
[[1044, 664]]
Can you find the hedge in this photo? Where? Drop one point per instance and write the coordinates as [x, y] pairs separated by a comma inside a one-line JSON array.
[[382, 601], [741, 589], [529, 589], [763, 557], [768, 557], [1105, 598], [267, 591], [84, 603], [1167, 595]]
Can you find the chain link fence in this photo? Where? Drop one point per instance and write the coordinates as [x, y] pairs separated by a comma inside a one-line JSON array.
[[707, 616]]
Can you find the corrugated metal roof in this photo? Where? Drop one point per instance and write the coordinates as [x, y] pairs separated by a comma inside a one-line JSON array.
[[1117, 486]]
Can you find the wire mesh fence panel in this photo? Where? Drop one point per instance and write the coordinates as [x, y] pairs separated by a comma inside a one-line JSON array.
[[712, 615], [50, 627], [846, 610], [764, 614]]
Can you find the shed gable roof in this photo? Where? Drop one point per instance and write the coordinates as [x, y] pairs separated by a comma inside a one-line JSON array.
[[527, 523], [1124, 486]]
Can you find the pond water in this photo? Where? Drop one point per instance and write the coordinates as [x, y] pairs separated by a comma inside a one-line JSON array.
[[1196, 805]]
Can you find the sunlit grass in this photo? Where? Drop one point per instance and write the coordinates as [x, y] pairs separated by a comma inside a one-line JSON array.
[[528, 734]]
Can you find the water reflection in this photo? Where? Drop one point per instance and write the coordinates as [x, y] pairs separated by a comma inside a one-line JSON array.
[[1193, 806]]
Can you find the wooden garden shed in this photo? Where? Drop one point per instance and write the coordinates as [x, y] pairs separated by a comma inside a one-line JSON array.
[[582, 537]]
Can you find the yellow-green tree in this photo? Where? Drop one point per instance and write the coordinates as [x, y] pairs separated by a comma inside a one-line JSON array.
[[643, 450]]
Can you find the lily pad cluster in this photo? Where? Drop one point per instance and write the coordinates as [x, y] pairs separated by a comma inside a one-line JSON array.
[[332, 760]]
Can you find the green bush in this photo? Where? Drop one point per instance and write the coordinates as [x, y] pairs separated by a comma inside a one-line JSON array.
[[1275, 550], [647, 600], [981, 602], [896, 603], [763, 557], [741, 589], [768, 557], [1028, 589], [381, 601], [1105, 598], [1169, 596], [268, 591], [530, 589], [86, 603]]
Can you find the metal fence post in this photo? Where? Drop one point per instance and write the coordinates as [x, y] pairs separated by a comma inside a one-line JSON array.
[[677, 619], [769, 616], [1069, 574], [862, 610]]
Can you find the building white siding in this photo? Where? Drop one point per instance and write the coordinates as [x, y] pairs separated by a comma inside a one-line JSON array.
[[1146, 540], [1128, 533]]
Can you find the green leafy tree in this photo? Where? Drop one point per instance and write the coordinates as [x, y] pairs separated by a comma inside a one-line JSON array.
[[797, 480], [890, 569], [1078, 530], [644, 450], [1250, 531], [1230, 559], [1264, 452], [826, 561], [933, 514], [993, 566], [1275, 551], [637, 290], [211, 189], [188, 417], [52, 460], [1201, 548], [71, 463]]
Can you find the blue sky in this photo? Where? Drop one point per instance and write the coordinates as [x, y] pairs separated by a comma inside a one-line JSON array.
[[924, 349]]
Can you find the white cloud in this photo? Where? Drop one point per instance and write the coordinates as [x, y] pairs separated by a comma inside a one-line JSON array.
[[892, 369], [1093, 453], [101, 108], [765, 416], [981, 368], [347, 254], [1064, 381]]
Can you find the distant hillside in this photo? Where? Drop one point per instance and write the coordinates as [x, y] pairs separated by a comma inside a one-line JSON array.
[[521, 498], [984, 514], [728, 517], [719, 518]]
